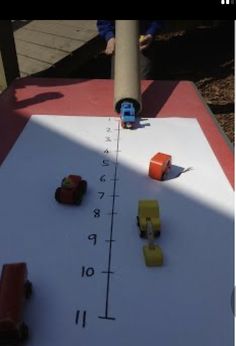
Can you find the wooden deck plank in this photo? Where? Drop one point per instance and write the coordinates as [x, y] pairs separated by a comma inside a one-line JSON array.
[[52, 27], [44, 54], [23, 74], [29, 66], [80, 24], [47, 40], [46, 43]]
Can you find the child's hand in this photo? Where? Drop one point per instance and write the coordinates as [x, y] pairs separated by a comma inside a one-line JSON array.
[[110, 48], [145, 41]]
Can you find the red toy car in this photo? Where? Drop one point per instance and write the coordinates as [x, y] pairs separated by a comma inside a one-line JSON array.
[[72, 190], [159, 166], [14, 288]]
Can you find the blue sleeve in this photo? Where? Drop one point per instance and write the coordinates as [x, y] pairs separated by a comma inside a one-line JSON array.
[[106, 29], [153, 27]]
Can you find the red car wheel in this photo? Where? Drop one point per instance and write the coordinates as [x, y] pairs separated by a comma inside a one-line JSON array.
[[83, 186], [78, 195], [58, 194]]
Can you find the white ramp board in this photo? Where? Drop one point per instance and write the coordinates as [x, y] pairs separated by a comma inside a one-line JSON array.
[[91, 286]]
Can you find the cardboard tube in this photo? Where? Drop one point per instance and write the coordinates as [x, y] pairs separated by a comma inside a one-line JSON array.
[[127, 71]]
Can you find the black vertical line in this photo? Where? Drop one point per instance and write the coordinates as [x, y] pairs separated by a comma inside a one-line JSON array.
[[112, 225], [77, 317], [84, 319]]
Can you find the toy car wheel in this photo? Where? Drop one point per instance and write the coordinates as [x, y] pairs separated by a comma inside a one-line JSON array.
[[78, 197], [163, 177], [138, 223], [157, 234], [28, 289], [24, 332], [83, 186], [62, 182], [58, 195], [123, 124], [164, 174], [142, 234], [78, 200]]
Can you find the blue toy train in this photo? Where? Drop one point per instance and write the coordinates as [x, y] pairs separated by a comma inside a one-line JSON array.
[[127, 114]]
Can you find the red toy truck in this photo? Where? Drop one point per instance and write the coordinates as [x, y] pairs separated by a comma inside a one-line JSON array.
[[159, 166], [72, 190], [14, 288]]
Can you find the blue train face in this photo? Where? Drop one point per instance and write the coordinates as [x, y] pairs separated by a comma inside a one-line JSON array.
[[128, 108]]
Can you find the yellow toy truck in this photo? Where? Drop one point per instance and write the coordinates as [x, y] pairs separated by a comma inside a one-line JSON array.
[[148, 210], [149, 224]]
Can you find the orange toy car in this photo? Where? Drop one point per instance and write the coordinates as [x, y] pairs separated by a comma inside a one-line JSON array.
[[159, 166], [72, 190], [14, 288]]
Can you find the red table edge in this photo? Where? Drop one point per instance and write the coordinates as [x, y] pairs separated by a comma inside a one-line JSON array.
[[218, 141], [222, 152], [229, 144]]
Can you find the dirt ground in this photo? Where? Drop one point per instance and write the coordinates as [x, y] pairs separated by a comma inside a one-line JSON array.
[[204, 55]]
